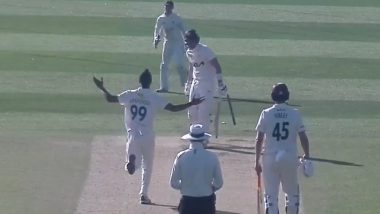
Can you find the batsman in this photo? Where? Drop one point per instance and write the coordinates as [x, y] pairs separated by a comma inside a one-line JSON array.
[[205, 75], [279, 125]]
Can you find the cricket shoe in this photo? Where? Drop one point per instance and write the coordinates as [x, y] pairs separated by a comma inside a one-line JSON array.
[[130, 166], [145, 200], [161, 90]]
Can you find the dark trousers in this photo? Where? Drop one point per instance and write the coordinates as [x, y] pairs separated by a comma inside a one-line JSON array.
[[197, 205]]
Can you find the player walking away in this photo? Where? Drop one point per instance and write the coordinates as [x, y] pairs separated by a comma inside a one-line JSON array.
[[279, 125], [204, 72], [171, 26], [197, 174], [140, 106]]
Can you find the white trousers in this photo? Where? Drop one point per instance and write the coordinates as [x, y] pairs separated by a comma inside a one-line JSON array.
[[281, 168], [173, 51], [142, 146], [201, 114]]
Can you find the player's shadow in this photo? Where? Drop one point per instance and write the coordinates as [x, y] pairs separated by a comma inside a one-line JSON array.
[[337, 162], [175, 208], [249, 150]]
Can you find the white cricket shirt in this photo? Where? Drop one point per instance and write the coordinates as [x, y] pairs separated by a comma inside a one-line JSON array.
[[200, 58], [171, 27], [281, 125], [196, 172], [140, 107]]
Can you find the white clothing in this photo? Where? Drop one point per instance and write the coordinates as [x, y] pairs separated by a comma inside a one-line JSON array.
[[203, 85], [172, 28], [140, 107], [200, 58], [281, 125], [142, 146], [196, 172]]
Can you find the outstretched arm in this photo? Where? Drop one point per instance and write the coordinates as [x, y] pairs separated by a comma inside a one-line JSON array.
[[180, 107], [109, 97]]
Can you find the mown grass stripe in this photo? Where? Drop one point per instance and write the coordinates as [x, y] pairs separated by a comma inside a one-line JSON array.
[[370, 3], [94, 103], [243, 66], [248, 12], [240, 87], [132, 44], [79, 25]]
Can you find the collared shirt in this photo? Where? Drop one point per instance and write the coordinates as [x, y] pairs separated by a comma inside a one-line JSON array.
[[281, 124], [196, 172], [140, 107], [200, 58], [171, 27]]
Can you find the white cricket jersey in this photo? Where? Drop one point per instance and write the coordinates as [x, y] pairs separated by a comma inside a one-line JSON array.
[[281, 125], [171, 27], [140, 107], [196, 172], [200, 58]]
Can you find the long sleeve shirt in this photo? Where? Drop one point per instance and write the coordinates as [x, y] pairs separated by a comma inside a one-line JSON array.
[[196, 172], [171, 27]]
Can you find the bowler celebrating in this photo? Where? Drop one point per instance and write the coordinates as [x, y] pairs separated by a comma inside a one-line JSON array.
[[140, 107]]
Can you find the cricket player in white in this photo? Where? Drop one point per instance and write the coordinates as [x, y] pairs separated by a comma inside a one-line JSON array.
[[140, 107], [279, 126], [171, 26], [205, 74]]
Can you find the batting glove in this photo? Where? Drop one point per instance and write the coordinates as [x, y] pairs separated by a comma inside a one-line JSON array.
[[222, 90], [186, 90]]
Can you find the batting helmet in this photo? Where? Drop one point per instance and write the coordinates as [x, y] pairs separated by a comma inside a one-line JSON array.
[[280, 93]]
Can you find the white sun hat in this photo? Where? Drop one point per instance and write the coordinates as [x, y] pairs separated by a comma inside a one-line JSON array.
[[197, 133]]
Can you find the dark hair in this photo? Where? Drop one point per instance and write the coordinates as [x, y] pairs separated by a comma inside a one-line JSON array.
[[192, 35], [169, 3], [145, 78], [280, 93]]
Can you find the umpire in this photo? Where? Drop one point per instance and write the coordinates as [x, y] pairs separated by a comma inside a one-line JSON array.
[[197, 174]]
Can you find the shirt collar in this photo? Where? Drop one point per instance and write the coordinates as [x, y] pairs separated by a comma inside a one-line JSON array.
[[196, 145], [280, 104]]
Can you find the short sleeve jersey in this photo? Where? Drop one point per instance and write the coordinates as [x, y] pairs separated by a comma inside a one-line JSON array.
[[281, 125], [140, 107], [200, 58]]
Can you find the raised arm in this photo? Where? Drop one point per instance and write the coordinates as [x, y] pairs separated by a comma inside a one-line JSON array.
[[109, 97]]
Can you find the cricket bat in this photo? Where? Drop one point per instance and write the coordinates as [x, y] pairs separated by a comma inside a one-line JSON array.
[[216, 119], [259, 195]]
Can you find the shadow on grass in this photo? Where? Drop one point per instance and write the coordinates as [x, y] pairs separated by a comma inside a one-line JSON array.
[[344, 163], [249, 150], [175, 208]]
